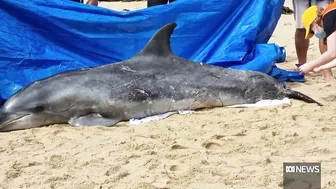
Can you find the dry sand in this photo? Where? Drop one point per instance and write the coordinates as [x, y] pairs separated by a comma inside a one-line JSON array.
[[217, 148]]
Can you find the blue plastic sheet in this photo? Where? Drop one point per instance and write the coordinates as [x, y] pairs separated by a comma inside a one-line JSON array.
[[39, 38]]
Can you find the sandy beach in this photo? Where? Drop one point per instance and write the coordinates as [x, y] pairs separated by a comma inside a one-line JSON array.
[[209, 149]]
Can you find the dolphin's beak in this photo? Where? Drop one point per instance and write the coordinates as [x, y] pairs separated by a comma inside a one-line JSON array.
[[10, 118]]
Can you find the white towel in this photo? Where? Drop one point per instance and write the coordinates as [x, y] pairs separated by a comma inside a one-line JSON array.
[[263, 103]]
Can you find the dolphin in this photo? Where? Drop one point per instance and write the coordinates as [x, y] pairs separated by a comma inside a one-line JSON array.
[[154, 81]]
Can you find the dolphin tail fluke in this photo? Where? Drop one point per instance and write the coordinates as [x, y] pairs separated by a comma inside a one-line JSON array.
[[300, 96]]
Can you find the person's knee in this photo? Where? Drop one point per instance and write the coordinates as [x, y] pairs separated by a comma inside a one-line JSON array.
[[300, 34], [322, 46], [300, 30]]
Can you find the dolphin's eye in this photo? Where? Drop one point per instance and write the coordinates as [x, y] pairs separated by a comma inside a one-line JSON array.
[[38, 109]]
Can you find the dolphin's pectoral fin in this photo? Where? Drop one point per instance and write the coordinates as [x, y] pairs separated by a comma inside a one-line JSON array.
[[93, 120]]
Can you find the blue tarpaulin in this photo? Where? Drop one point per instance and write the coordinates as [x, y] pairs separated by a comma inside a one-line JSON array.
[[39, 38]]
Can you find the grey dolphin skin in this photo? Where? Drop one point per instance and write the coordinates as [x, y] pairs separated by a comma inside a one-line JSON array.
[[155, 81]]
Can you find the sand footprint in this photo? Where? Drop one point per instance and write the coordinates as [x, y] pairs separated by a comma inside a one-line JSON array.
[[56, 161], [318, 151], [113, 170], [174, 168], [212, 146], [178, 147], [329, 98], [218, 137], [14, 172], [303, 121], [328, 129], [64, 133], [58, 132]]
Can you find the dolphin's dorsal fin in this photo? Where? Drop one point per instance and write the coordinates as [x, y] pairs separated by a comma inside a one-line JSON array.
[[159, 44]]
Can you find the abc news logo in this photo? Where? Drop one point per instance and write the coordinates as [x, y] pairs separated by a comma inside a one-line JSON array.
[[302, 169]]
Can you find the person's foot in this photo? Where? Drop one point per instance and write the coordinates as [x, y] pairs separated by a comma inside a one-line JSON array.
[[330, 79], [298, 65], [328, 76]]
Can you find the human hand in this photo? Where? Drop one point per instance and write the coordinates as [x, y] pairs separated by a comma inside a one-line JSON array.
[[318, 69], [305, 68]]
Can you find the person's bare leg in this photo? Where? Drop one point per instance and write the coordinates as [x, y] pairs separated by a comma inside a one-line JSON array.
[[326, 73], [301, 45], [92, 2], [151, 3]]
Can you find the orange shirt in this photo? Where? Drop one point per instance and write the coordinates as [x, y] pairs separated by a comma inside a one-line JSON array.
[[329, 19], [330, 7]]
